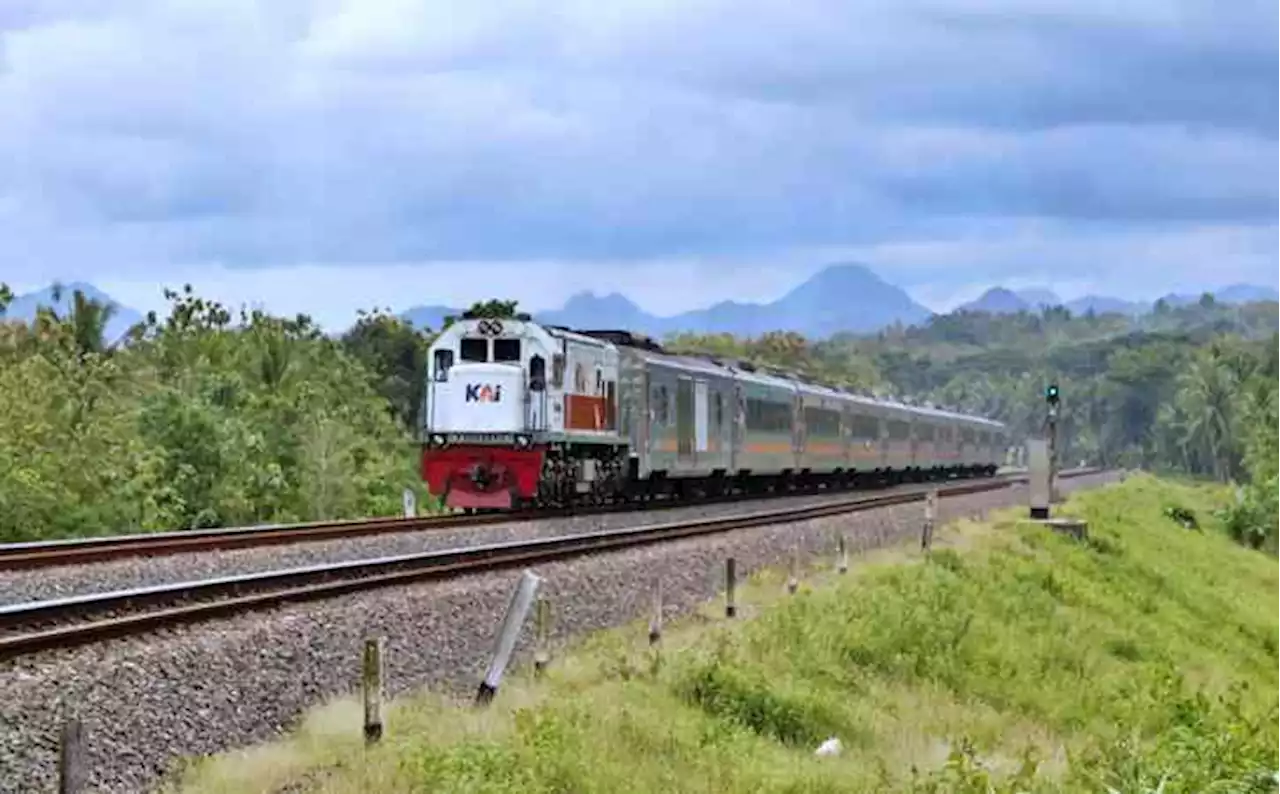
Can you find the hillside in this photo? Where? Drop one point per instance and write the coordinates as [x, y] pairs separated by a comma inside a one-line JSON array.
[[1012, 660]]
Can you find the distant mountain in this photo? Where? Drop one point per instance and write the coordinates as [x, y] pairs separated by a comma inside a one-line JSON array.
[[24, 307], [429, 317], [999, 300], [1039, 297], [1101, 304], [588, 310], [996, 300], [841, 297], [1246, 293], [1235, 293]]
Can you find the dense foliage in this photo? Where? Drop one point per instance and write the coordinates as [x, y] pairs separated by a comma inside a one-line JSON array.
[[202, 419], [194, 421]]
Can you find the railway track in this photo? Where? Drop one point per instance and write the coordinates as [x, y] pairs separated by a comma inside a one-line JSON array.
[[83, 551], [31, 627]]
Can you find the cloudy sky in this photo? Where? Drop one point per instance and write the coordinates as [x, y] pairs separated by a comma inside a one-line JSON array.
[[323, 155]]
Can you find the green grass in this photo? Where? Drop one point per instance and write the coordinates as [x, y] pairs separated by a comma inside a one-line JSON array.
[[1012, 660]]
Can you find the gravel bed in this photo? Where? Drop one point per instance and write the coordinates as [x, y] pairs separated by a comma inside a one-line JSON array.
[[146, 701], [71, 580]]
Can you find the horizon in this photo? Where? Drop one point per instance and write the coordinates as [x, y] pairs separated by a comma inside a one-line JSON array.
[[160, 305]]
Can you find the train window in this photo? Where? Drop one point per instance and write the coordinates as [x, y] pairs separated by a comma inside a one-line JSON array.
[[821, 422], [924, 432], [865, 428], [777, 417], [444, 360], [537, 373], [660, 407], [475, 349], [718, 410], [899, 430], [599, 381], [984, 438], [506, 350], [579, 379], [966, 435], [557, 371]]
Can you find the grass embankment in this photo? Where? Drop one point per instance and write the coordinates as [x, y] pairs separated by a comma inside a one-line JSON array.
[[1015, 659]]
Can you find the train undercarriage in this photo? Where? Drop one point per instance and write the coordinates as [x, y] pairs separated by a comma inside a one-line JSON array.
[[489, 478]]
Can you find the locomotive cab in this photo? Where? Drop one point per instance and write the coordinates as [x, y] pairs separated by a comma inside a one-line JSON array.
[[486, 408]]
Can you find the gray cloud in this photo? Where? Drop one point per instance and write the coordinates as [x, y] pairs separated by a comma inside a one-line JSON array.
[[265, 134]]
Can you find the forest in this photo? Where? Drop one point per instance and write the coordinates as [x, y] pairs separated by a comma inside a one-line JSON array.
[[211, 416]]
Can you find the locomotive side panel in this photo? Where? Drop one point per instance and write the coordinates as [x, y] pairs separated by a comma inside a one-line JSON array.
[[590, 401]]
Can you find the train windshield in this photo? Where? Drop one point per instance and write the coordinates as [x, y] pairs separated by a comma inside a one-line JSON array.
[[506, 350], [475, 349]]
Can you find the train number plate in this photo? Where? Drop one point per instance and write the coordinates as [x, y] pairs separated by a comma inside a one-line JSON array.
[[481, 438]]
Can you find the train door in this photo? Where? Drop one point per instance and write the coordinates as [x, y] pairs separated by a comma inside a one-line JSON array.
[[536, 396], [798, 434], [914, 446], [883, 424], [644, 422], [846, 436], [738, 428], [700, 405], [684, 421]]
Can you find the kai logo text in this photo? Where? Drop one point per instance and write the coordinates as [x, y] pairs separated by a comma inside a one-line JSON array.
[[483, 393]]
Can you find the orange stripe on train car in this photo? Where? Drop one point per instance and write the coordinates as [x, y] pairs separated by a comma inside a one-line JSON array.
[[769, 448], [585, 412]]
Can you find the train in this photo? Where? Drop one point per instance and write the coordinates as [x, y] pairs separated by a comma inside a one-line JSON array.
[[518, 414]]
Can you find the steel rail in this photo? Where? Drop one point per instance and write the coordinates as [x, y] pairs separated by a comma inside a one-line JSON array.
[[231, 595], [81, 551]]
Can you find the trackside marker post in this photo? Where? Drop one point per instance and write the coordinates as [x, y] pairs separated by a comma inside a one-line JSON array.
[[373, 670], [508, 633], [542, 623], [793, 580], [655, 622], [842, 555], [71, 758], [410, 504], [930, 511], [730, 582]]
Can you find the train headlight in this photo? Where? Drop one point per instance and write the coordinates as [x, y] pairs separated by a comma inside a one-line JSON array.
[[522, 441], [437, 440]]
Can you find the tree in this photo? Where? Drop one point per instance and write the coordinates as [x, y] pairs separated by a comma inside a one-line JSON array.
[[395, 355], [493, 309]]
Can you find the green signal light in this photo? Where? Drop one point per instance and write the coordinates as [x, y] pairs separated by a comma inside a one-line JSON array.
[[1051, 393]]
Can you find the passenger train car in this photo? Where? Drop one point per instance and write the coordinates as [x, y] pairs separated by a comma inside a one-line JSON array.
[[517, 413]]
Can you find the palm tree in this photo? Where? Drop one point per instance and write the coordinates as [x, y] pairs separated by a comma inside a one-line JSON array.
[[1205, 394], [89, 319]]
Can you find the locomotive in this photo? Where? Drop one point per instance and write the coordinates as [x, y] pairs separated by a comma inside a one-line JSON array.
[[520, 414]]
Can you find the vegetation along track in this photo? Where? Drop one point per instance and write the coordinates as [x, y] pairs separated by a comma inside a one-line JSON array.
[[81, 551], [31, 627]]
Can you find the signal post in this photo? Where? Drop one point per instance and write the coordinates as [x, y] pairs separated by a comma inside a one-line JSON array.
[[1052, 398]]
